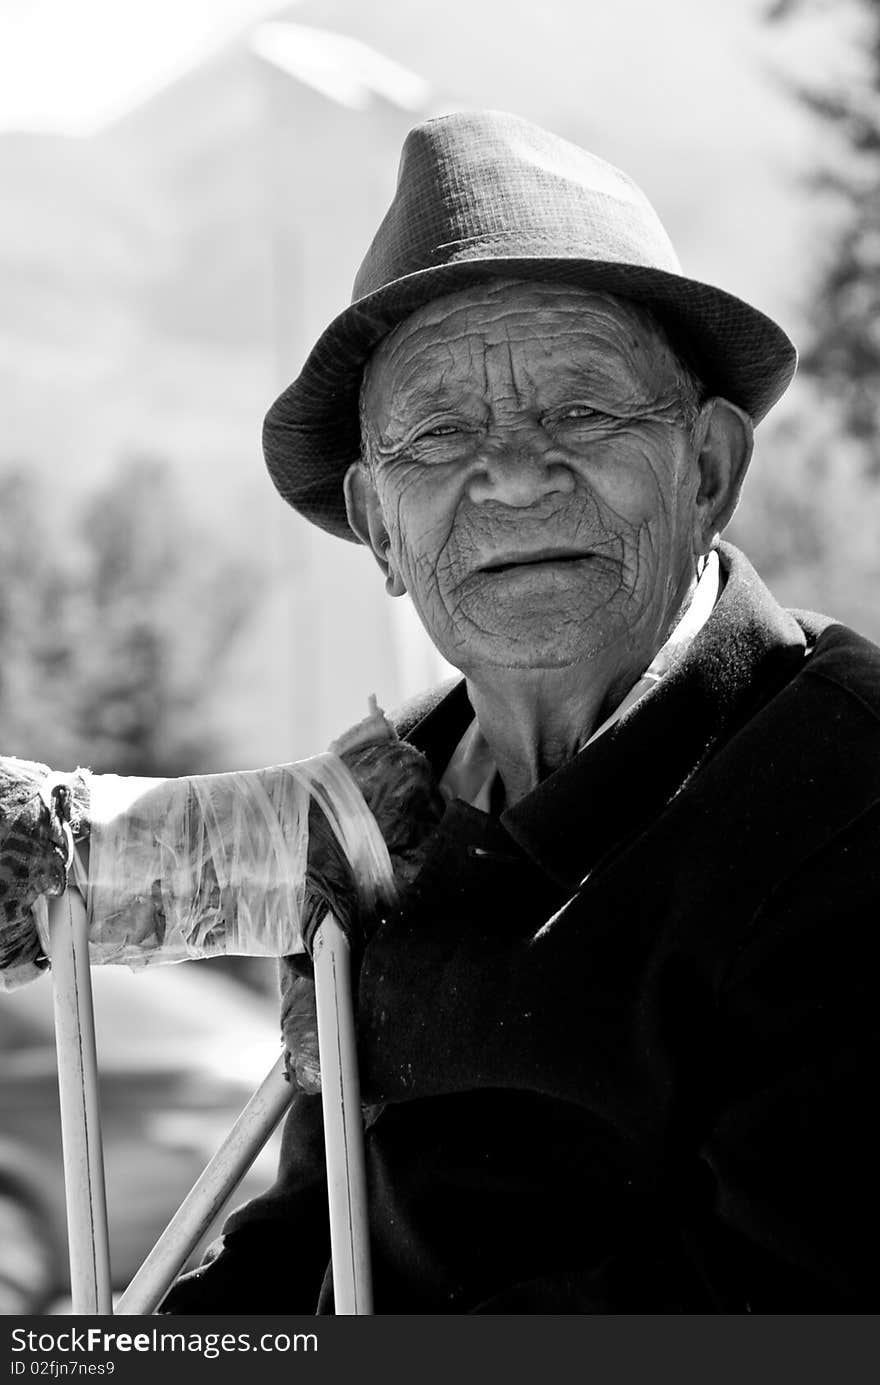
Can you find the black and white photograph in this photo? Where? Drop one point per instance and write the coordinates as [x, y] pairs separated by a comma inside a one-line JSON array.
[[439, 670]]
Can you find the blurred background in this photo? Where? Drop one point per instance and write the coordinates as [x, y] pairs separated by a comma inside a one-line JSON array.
[[188, 187]]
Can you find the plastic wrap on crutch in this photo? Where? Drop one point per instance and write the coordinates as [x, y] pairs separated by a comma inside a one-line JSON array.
[[243, 862], [217, 864]]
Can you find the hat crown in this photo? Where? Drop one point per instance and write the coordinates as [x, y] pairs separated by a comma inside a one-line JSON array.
[[478, 185]]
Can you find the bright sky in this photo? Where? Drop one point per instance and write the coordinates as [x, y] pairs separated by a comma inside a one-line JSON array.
[[677, 93], [71, 65]]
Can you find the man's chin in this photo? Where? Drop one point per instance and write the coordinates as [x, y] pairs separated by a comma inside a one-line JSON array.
[[506, 654]]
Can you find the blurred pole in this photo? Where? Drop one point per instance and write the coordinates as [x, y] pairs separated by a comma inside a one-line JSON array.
[[88, 1241], [199, 1208], [343, 1123]]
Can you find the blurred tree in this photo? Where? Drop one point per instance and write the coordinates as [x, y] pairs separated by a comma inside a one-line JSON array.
[[811, 508], [164, 601], [843, 354], [112, 629]]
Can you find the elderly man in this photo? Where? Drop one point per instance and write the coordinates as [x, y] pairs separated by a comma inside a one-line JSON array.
[[616, 1044]]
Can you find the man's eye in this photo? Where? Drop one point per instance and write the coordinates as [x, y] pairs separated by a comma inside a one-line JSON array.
[[439, 432]]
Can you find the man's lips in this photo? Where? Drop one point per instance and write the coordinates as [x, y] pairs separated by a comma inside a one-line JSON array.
[[502, 562]]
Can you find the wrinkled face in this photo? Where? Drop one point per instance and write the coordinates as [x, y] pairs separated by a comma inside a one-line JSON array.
[[531, 449]]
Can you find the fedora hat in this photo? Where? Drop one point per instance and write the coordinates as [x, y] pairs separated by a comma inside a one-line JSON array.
[[484, 195]]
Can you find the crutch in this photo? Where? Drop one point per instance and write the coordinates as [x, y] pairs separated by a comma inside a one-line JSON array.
[[83, 1155], [343, 1135], [343, 1122], [87, 1238], [200, 1206]]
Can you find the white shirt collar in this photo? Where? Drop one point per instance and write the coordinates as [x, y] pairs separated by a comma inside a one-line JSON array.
[[472, 769]]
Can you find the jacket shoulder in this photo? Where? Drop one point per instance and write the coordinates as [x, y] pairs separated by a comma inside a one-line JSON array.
[[843, 657], [415, 710]]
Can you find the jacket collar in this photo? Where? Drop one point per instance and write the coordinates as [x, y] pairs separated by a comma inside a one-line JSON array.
[[747, 649]]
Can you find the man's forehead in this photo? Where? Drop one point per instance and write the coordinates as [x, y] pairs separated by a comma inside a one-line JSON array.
[[588, 323]]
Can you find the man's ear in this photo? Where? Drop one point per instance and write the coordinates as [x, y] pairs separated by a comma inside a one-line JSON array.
[[365, 518], [726, 437]]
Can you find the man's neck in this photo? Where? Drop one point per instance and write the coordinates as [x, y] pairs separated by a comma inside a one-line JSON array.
[[534, 720]]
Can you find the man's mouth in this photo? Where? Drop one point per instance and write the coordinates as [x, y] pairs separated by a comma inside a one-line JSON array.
[[504, 562]]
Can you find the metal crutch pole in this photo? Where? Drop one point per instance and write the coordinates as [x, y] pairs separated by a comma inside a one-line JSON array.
[[88, 1240], [81, 1127], [199, 1208], [343, 1121]]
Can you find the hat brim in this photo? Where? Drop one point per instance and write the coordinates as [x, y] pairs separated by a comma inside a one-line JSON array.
[[311, 434]]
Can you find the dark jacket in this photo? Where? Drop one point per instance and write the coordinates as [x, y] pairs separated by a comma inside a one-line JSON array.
[[625, 1035]]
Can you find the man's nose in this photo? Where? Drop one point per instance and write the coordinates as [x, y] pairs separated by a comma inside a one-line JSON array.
[[519, 469]]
